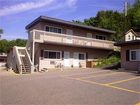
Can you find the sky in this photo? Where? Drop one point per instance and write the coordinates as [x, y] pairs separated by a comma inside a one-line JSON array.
[[16, 14]]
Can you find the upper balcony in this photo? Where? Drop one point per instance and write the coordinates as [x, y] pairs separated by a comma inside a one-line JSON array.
[[65, 39]]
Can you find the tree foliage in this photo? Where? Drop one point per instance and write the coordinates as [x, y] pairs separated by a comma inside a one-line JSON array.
[[1, 32], [134, 14], [6, 45], [116, 21]]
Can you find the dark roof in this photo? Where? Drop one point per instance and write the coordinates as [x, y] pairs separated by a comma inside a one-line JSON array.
[[126, 43], [43, 18], [135, 32], [138, 34]]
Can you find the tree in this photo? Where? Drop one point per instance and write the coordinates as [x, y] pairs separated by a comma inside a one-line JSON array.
[[6, 45], [114, 20], [1, 32], [3, 46], [134, 14]]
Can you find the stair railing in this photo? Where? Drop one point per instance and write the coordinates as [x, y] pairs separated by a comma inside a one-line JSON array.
[[18, 60], [27, 57]]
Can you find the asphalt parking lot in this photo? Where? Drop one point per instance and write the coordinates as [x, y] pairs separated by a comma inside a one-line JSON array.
[[71, 87]]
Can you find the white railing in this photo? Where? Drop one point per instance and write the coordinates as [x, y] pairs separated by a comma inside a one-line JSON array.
[[17, 58], [43, 36], [27, 56], [18, 52]]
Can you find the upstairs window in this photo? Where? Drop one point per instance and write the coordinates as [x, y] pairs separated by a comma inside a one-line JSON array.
[[129, 38], [89, 35], [101, 37], [53, 29], [133, 37]]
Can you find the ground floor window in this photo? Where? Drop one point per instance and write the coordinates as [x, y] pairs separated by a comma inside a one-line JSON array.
[[81, 56], [52, 54], [135, 55]]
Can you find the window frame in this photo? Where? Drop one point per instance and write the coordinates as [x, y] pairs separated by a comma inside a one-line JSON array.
[[129, 37], [53, 28], [81, 54], [89, 34], [101, 36], [60, 52], [130, 55]]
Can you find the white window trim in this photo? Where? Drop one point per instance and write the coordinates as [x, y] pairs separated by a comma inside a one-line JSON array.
[[53, 27], [102, 36], [89, 34], [137, 50], [53, 51], [84, 56]]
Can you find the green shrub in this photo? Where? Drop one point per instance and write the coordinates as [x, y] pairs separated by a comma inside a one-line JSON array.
[[107, 61]]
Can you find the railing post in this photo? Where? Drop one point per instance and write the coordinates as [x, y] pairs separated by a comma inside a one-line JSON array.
[[20, 69], [32, 69]]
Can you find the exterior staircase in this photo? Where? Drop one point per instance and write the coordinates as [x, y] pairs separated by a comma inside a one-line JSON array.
[[20, 61], [25, 66]]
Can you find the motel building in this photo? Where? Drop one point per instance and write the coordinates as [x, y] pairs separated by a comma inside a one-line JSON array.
[[56, 43]]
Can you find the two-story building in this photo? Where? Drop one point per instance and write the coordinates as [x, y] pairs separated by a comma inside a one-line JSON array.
[[130, 50], [55, 43]]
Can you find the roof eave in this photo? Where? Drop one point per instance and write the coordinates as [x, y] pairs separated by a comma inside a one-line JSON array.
[[68, 23]]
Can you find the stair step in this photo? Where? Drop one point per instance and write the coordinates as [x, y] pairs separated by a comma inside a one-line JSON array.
[[25, 66]]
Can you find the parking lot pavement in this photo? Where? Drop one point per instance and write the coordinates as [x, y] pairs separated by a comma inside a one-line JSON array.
[[71, 87]]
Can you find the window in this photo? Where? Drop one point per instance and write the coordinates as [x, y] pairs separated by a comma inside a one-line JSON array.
[[127, 55], [81, 56], [3, 59], [53, 29], [128, 37], [135, 55], [69, 32], [47, 28], [101, 37], [89, 35], [52, 54], [133, 37]]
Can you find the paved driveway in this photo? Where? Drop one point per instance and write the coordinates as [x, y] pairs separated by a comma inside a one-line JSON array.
[[71, 87]]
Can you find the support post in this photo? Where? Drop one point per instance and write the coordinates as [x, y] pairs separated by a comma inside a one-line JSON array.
[[20, 69], [33, 52]]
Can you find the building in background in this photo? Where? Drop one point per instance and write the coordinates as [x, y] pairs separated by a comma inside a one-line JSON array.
[[130, 50], [3, 60]]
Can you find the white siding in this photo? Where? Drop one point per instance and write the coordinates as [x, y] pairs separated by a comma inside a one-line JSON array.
[[130, 36]]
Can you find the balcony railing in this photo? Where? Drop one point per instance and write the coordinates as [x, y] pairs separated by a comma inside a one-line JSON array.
[[43, 36]]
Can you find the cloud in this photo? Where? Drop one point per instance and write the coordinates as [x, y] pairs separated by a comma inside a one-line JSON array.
[[50, 4], [24, 7], [71, 3]]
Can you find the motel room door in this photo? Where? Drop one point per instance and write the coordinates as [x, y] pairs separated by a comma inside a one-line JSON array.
[[67, 59], [76, 59]]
